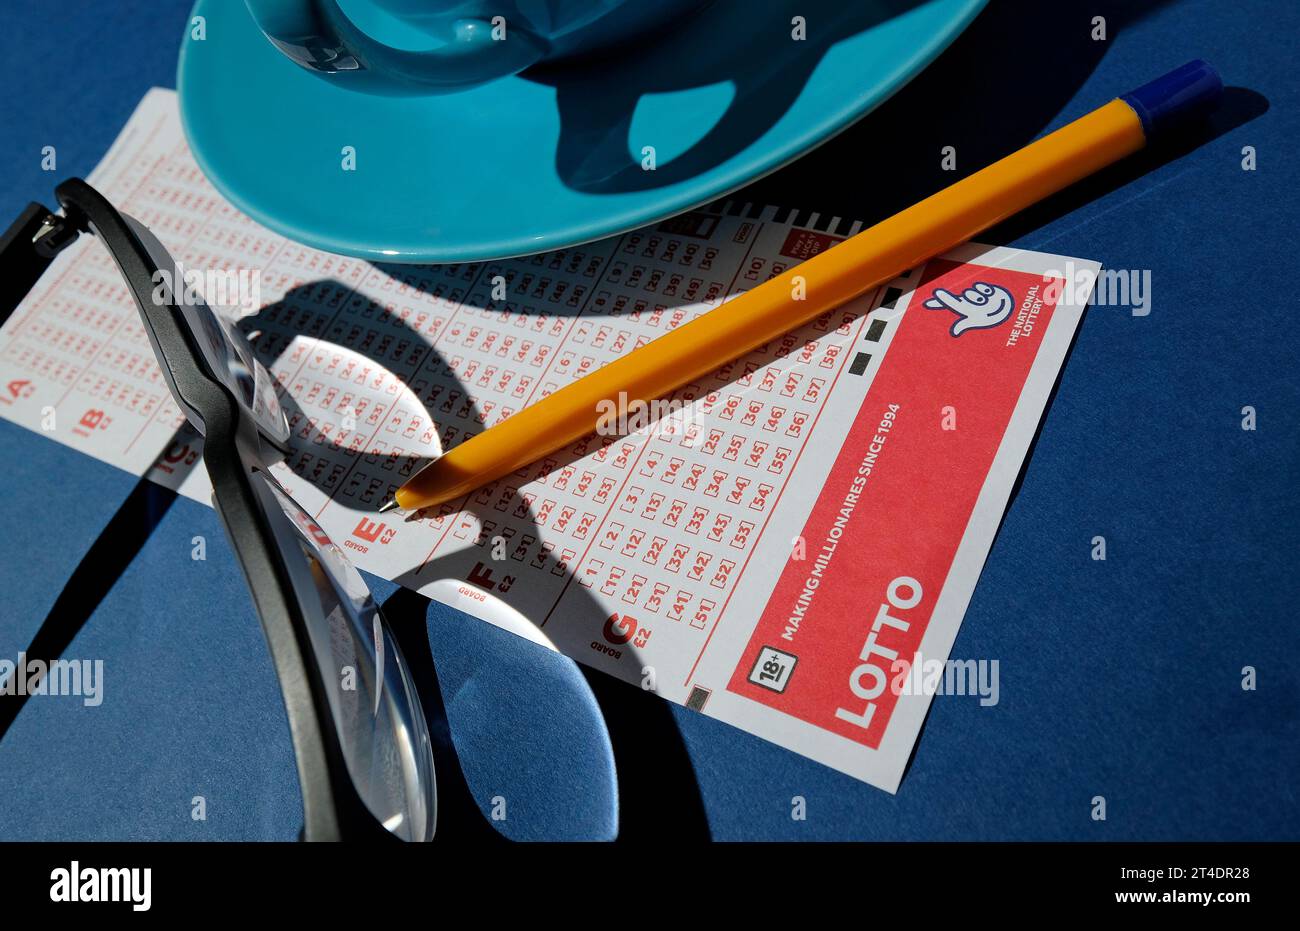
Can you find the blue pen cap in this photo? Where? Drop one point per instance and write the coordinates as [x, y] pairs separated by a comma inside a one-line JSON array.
[[1182, 94]]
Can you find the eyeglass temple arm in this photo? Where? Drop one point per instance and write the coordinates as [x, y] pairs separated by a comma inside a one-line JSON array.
[[26, 249]]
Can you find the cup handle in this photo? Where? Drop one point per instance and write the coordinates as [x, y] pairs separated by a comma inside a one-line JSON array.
[[319, 37]]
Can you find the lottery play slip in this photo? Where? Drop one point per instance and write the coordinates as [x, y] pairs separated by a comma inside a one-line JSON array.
[[772, 546]]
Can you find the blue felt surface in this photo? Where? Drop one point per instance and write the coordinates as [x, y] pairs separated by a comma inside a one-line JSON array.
[[1118, 678]]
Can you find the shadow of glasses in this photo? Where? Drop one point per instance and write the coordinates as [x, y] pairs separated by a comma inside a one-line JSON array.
[[315, 438], [655, 776]]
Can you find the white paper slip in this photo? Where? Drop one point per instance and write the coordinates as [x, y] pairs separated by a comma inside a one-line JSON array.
[[773, 546]]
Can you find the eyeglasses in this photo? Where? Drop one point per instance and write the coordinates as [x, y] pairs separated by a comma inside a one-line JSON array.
[[365, 762]]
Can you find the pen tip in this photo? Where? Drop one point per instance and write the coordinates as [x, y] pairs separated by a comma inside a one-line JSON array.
[[389, 505]]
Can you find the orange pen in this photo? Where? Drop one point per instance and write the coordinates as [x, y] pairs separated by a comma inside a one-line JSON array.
[[851, 268]]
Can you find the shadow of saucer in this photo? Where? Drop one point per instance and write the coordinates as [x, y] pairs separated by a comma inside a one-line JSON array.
[[999, 85], [748, 48]]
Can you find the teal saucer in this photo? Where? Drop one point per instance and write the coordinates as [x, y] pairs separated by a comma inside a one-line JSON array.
[[557, 156]]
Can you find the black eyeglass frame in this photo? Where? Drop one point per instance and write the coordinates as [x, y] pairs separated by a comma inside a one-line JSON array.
[[235, 453]]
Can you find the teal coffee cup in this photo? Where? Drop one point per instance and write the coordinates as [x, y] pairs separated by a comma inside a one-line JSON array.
[[441, 46]]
